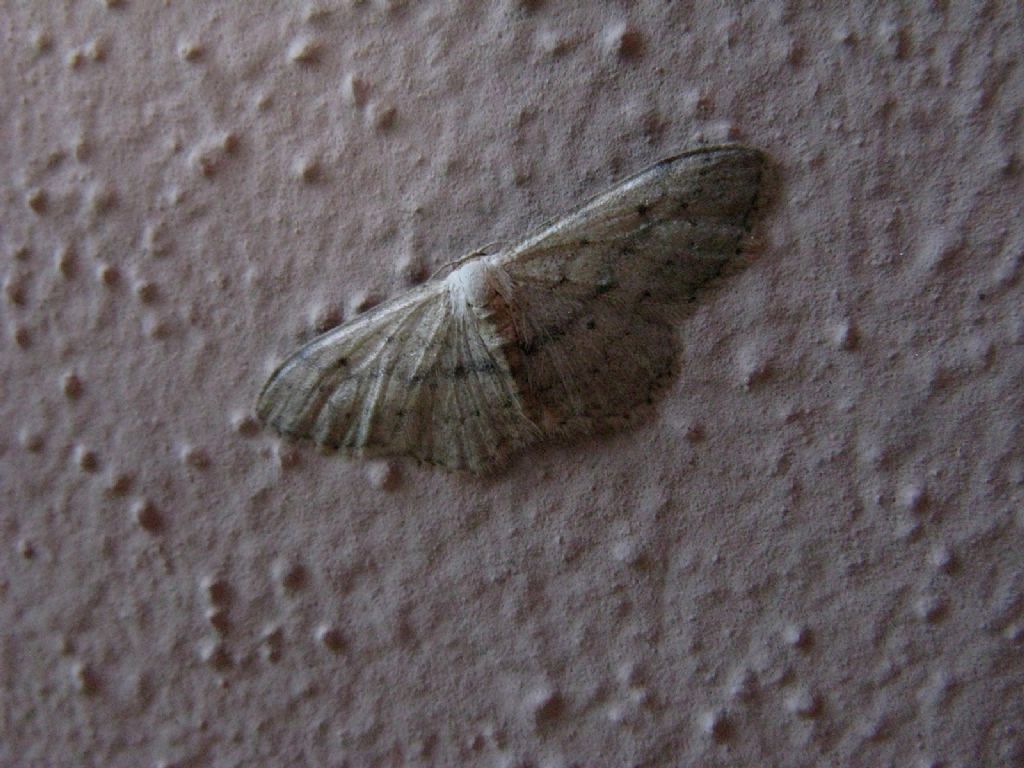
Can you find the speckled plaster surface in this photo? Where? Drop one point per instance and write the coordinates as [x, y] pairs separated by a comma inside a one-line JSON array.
[[810, 556]]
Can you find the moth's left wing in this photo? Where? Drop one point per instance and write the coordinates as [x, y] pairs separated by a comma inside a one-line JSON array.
[[416, 376]]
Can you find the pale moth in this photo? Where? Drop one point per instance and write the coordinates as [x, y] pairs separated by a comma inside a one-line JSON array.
[[568, 332]]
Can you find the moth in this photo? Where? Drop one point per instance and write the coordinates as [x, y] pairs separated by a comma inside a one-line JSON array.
[[568, 332]]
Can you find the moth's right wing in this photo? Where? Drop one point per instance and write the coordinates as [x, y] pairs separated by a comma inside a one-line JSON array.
[[594, 294], [656, 237], [413, 377]]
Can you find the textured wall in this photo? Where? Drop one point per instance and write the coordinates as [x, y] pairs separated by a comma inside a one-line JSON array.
[[811, 555]]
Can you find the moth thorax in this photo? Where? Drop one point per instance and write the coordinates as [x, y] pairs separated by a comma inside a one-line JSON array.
[[476, 283]]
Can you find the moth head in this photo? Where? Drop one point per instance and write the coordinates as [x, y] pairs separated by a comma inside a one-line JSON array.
[[475, 283]]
